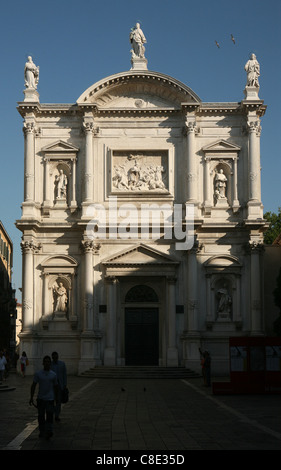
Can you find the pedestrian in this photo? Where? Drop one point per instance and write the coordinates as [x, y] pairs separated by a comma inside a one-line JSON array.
[[59, 368], [47, 395], [3, 363], [23, 363]]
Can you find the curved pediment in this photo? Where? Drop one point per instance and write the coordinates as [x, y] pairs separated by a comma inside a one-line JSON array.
[[143, 90]]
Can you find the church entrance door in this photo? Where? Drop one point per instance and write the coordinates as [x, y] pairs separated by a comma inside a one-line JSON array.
[[141, 336]]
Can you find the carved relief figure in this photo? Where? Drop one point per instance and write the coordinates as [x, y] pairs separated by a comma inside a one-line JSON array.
[[31, 74], [60, 297], [224, 302], [137, 40], [220, 185], [252, 68], [142, 176], [120, 180], [61, 185]]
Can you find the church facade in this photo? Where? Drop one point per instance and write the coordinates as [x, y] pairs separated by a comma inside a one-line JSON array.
[[142, 222]]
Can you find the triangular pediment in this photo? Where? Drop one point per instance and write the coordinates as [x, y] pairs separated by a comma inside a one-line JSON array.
[[139, 255], [60, 146], [221, 146]]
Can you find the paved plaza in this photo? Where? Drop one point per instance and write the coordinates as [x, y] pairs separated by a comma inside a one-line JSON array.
[[163, 415]]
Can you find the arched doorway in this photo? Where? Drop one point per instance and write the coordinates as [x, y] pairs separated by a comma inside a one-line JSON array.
[[141, 326]]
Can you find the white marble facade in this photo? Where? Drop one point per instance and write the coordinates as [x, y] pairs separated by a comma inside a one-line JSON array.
[[132, 139]]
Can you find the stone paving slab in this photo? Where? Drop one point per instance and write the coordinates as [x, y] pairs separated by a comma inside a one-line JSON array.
[[149, 415]]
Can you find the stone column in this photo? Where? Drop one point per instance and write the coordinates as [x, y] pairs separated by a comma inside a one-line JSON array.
[[29, 132], [256, 299], [89, 247], [192, 180], [208, 203], [73, 203], [192, 318], [172, 352], [88, 175], [110, 349], [28, 249], [254, 204]]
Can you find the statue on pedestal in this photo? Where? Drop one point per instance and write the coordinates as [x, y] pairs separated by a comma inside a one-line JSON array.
[[252, 68], [220, 185], [60, 295], [61, 183], [137, 39], [224, 303], [31, 74]]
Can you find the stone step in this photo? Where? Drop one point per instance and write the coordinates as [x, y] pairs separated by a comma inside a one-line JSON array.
[[139, 372], [6, 388]]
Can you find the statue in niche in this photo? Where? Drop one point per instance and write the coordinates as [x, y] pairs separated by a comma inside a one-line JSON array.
[[252, 68], [224, 302], [61, 185], [60, 298], [220, 185], [137, 39], [31, 74]]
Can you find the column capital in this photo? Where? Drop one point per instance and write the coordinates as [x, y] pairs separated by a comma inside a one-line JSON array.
[[254, 127], [29, 127], [89, 246], [190, 127], [29, 246], [90, 128]]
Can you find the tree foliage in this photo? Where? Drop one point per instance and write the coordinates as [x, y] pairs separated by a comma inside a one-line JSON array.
[[274, 228]]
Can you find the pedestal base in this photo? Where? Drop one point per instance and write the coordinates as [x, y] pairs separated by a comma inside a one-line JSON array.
[[138, 64], [31, 95], [109, 357], [172, 357]]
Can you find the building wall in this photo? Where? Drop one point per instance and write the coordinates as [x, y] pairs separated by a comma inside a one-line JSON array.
[[154, 121], [7, 293]]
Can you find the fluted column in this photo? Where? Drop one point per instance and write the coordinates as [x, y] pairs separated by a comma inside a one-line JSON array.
[[29, 133], [256, 299], [254, 203], [110, 350], [172, 352], [28, 249], [88, 175], [89, 248], [192, 291], [192, 185]]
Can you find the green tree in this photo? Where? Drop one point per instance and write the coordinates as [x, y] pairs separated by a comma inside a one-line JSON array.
[[274, 228]]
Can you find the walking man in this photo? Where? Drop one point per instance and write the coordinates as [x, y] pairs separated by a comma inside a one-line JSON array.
[[59, 368], [47, 395]]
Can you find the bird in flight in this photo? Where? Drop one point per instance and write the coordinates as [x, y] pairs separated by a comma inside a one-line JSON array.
[[232, 39], [217, 44]]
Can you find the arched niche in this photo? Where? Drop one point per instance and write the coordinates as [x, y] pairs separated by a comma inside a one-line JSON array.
[[58, 270], [223, 286]]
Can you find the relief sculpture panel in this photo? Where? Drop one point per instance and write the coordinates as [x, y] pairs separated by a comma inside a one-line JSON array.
[[140, 171]]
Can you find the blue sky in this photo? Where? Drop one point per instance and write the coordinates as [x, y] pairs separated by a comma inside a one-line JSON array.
[[77, 43]]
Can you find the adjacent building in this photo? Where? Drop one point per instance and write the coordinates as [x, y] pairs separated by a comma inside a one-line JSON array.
[[8, 311], [142, 221]]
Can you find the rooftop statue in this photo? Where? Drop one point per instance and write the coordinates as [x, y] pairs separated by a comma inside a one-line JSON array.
[[137, 39], [31, 74], [252, 68]]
